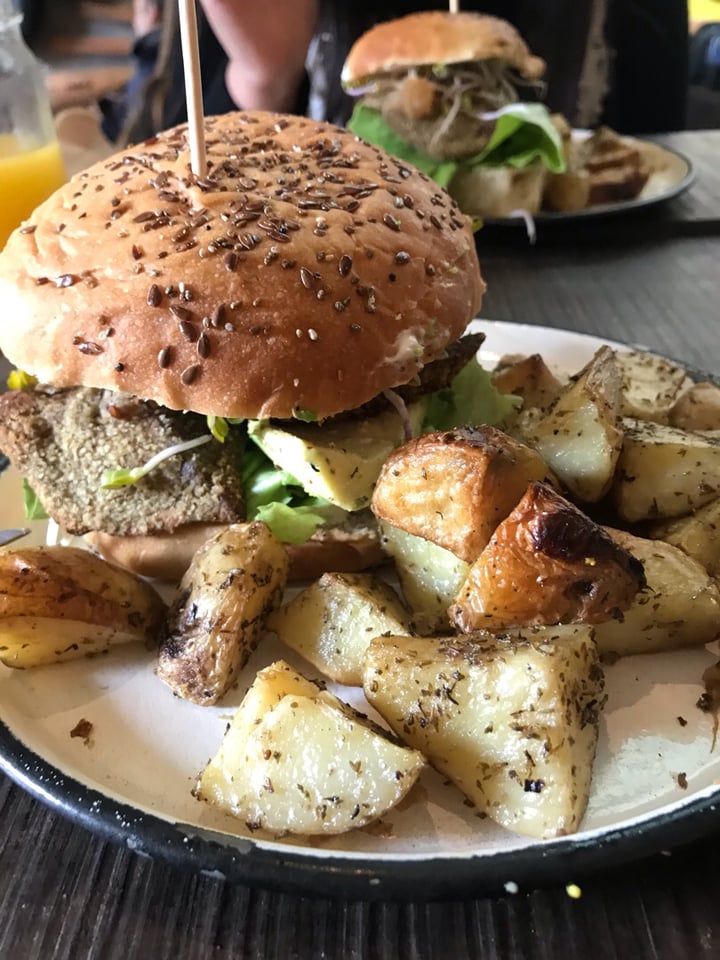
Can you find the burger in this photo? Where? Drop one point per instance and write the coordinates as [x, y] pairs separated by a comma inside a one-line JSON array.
[[441, 90], [192, 351]]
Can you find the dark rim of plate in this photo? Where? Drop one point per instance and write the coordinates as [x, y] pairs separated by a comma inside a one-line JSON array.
[[242, 860]]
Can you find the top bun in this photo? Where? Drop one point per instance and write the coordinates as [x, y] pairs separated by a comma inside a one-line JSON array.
[[438, 37], [306, 273]]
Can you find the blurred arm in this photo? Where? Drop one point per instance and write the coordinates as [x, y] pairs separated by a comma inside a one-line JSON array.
[[266, 42]]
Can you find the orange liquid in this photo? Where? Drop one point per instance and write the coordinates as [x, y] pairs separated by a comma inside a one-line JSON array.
[[26, 179]]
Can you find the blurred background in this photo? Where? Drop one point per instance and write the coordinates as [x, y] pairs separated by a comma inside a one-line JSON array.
[[90, 47]]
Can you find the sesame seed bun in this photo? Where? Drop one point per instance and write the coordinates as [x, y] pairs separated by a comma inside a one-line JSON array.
[[438, 37], [308, 271]]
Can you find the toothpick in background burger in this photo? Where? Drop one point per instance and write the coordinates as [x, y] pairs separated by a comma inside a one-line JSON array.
[[440, 90], [250, 344]]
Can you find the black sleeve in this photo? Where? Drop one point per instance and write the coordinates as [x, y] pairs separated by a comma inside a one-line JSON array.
[[650, 76]]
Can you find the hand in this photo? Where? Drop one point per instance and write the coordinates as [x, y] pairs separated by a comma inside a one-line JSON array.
[[266, 43]]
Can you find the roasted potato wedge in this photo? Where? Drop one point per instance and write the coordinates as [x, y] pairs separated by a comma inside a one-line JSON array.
[[546, 563], [697, 535], [429, 575], [218, 615], [664, 471], [679, 607], [529, 378], [580, 437], [511, 719], [454, 487], [566, 192], [698, 408], [651, 385], [61, 603], [308, 764], [331, 622]]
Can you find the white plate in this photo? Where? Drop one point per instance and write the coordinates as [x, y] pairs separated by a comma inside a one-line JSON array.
[[133, 780]]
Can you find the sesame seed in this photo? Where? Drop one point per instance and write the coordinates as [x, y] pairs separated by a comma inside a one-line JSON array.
[[29, 228], [344, 265], [435, 222], [391, 222], [136, 252], [313, 334], [231, 260], [119, 367], [402, 257], [307, 278], [298, 333], [182, 313], [154, 295], [188, 331], [65, 280], [203, 346], [429, 269], [190, 374], [164, 358], [89, 348]]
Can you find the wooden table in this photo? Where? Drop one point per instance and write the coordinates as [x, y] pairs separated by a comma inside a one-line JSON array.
[[65, 893]]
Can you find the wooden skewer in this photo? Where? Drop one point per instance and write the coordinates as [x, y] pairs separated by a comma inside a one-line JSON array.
[[193, 86], [454, 6]]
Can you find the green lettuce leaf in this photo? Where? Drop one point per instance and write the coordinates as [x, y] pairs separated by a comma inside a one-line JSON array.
[[275, 497], [523, 134], [470, 399], [289, 524], [34, 510]]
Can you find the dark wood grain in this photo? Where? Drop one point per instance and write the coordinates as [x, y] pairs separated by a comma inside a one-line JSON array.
[[65, 894]]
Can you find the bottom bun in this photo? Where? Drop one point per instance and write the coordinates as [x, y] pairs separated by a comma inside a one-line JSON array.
[[166, 556], [495, 192]]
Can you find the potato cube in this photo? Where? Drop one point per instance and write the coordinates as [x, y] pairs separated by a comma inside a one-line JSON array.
[[650, 385], [680, 607], [697, 535], [331, 622], [218, 615], [429, 575], [61, 603], [698, 408], [307, 765], [454, 487], [529, 378], [580, 437], [546, 563], [511, 719], [664, 472]]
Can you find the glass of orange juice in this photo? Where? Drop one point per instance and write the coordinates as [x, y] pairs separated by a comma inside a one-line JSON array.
[[27, 177], [31, 165]]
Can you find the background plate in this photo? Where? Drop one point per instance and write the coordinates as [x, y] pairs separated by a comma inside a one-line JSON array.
[[672, 174], [132, 781]]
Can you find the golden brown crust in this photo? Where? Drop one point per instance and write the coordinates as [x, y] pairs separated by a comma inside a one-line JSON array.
[[316, 272], [454, 487], [167, 556], [436, 36], [547, 563]]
